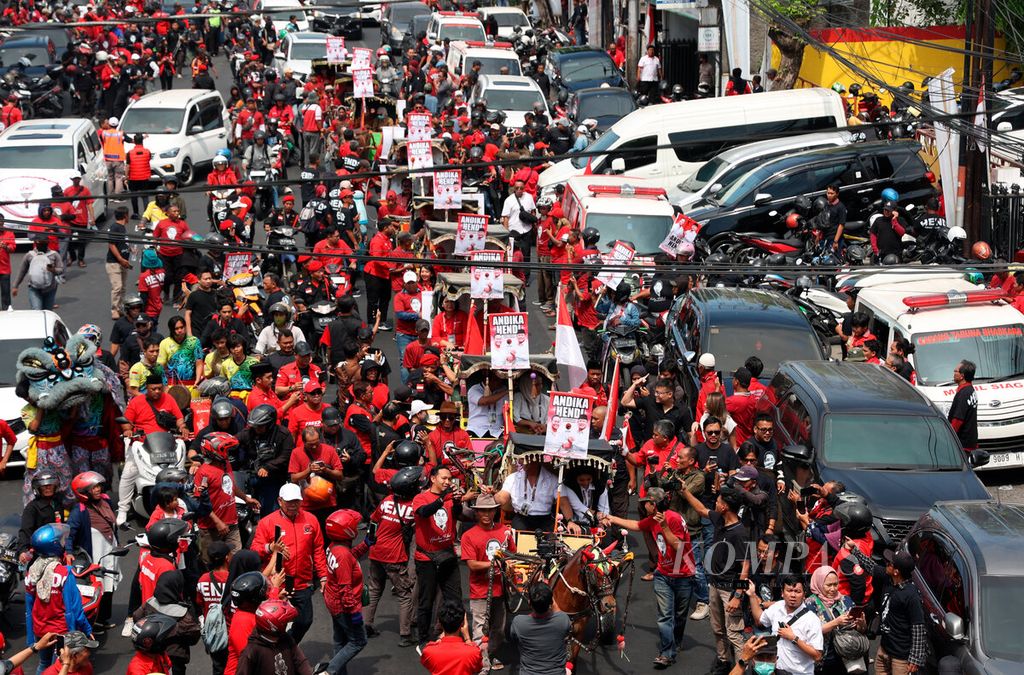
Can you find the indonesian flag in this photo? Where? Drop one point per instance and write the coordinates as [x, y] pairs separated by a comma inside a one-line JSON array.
[[474, 338], [649, 24], [979, 119], [509, 423], [567, 345], [613, 404]]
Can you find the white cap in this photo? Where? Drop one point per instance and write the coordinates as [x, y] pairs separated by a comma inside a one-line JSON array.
[[290, 492], [417, 407], [706, 360], [582, 129], [448, 135], [409, 276], [75, 175], [113, 121], [135, 57]]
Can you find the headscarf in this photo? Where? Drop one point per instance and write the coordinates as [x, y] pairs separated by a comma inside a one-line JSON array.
[[528, 406], [818, 585], [244, 561], [168, 594]]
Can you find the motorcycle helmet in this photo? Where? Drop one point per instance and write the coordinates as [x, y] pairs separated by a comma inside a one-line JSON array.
[[406, 484], [172, 474], [225, 153], [563, 96], [663, 86], [318, 493], [222, 410], [776, 260], [44, 477], [622, 293], [854, 518], [718, 258], [270, 75], [476, 153], [273, 616], [214, 387], [152, 633], [854, 90], [703, 90], [888, 205], [48, 541], [218, 445], [803, 205], [590, 236], [263, 415], [83, 483], [279, 308], [343, 525], [677, 90], [820, 203], [220, 160], [215, 239], [92, 332], [330, 416], [249, 590], [260, 136], [162, 197], [408, 453], [956, 233], [643, 101], [164, 534], [890, 195], [981, 251], [133, 301], [891, 259], [793, 221]]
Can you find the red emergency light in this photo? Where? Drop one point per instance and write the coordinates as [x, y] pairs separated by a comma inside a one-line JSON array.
[[481, 43], [954, 298], [627, 190], [449, 13]]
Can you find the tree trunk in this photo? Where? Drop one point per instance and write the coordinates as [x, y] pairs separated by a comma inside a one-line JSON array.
[[792, 50]]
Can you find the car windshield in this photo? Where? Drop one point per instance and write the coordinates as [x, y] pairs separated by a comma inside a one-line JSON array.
[[308, 51], [151, 121], [403, 12], [615, 104], [997, 351], [1000, 617], [703, 175], [603, 142], [460, 31], [418, 24], [282, 15], [583, 67], [37, 56], [512, 99], [36, 157], [645, 231], [9, 351], [493, 66], [734, 342], [510, 19], [894, 442]]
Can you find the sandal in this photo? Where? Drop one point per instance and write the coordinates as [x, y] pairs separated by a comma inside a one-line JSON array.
[[497, 665], [647, 577]]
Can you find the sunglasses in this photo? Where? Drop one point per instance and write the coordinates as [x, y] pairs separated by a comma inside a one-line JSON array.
[[447, 417], [764, 430], [314, 393], [716, 432]]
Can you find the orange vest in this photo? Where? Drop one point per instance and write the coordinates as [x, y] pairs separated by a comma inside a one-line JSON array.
[[138, 163], [113, 145]]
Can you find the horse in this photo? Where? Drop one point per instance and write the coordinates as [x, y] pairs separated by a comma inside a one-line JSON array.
[[584, 587]]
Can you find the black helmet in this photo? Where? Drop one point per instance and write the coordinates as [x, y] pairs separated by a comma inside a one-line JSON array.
[[819, 204], [642, 101], [854, 518], [249, 590], [854, 90], [172, 474], [270, 75], [164, 534], [222, 410], [476, 152], [263, 414], [215, 239], [663, 85], [908, 86], [330, 416], [152, 633], [677, 89], [406, 483], [622, 292], [213, 387], [591, 236], [803, 204], [891, 259], [776, 260], [408, 453], [44, 477], [133, 301], [563, 96]]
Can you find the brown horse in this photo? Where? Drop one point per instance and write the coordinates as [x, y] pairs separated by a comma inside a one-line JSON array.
[[584, 587]]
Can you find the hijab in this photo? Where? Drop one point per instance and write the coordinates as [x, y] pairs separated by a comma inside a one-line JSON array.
[[169, 593], [244, 561], [528, 406], [818, 585]]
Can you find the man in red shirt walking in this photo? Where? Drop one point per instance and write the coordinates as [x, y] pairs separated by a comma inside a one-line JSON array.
[[81, 208], [408, 304], [454, 653], [378, 273], [7, 247], [172, 229], [389, 555]]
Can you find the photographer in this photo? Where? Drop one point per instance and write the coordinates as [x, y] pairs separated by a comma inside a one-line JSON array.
[[796, 625]]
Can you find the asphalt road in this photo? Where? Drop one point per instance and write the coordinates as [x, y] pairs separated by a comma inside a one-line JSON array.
[[84, 299]]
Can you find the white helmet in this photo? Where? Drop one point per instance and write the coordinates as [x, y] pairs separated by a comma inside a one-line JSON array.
[[102, 56], [955, 233], [220, 159]]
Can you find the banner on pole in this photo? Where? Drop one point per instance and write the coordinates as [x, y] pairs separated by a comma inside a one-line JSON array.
[[486, 283], [448, 189], [470, 233], [510, 341], [568, 432]]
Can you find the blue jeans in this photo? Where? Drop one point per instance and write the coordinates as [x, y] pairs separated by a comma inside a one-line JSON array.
[[673, 595], [41, 299], [349, 640], [403, 340], [701, 545]]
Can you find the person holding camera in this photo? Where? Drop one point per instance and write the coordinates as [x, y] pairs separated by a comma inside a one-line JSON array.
[[675, 576], [794, 623]]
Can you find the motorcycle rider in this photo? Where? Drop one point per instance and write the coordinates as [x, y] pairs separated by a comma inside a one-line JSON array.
[[215, 480], [222, 174], [46, 507], [623, 311], [94, 506], [257, 154], [886, 229], [224, 417], [11, 112], [265, 447], [247, 592], [151, 636], [167, 539], [387, 78]]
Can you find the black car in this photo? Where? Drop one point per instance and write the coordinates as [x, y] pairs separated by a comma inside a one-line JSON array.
[[971, 581], [38, 49], [866, 426], [758, 201], [606, 105], [60, 37], [735, 324], [417, 25], [327, 16], [575, 68], [394, 20]]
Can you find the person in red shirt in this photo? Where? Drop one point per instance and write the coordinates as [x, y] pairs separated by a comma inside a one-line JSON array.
[[309, 412], [449, 327], [151, 636], [587, 290], [391, 206], [618, 56], [479, 544], [215, 480], [212, 585], [414, 351], [742, 405], [389, 554], [75, 657], [378, 273], [708, 382], [165, 545], [48, 223], [141, 411], [248, 590], [334, 252], [7, 246], [447, 436], [171, 229], [407, 307], [593, 386], [151, 283], [454, 653], [81, 208], [295, 375], [310, 459], [658, 454], [343, 592], [301, 543], [263, 391]]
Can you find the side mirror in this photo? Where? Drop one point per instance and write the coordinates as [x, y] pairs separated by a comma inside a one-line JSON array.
[[762, 198], [195, 129], [954, 626], [618, 165], [714, 188], [120, 551], [978, 459], [1004, 127], [689, 356], [797, 453]]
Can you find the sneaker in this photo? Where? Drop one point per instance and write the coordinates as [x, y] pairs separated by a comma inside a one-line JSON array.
[[497, 665], [126, 630], [700, 612], [406, 641], [372, 632], [538, 303], [384, 327], [419, 650]]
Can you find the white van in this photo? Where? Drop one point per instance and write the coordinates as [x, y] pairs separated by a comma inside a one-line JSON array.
[[278, 12], [670, 141], [491, 55]]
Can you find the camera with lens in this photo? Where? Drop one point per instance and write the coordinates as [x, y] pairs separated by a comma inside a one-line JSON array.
[[547, 545]]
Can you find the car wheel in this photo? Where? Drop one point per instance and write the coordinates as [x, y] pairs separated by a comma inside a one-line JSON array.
[[187, 173]]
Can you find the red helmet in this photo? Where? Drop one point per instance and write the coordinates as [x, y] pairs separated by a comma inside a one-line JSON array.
[[320, 190], [981, 251], [84, 482], [343, 525], [273, 616], [793, 221], [219, 445]]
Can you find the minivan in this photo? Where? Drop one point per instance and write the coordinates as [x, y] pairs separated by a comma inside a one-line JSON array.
[[669, 141]]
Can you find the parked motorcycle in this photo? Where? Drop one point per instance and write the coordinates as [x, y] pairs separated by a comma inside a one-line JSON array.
[[152, 454]]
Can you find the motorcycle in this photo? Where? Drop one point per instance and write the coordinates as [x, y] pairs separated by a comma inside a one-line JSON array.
[[626, 344], [89, 578], [220, 202], [263, 203], [10, 572], [323, 313], [152, 454], [280, 259], [247, 289]]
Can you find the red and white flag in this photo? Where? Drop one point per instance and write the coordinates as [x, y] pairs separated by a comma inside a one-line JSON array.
[[979, 119], [613, 404], [567, 345]]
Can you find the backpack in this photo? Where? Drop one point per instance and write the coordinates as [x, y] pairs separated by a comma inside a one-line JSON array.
[[307, 219], [215, 629], [39, 274]]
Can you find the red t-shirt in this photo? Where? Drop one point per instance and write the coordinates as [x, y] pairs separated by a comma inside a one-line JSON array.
[[144, 664], [380, 246], [389, 516], [436, 532], [258, 397], [586, 315], [442, 440], [300, 460], [220, 486], [289, 374], [742, 408], [302, 416], [671, 562], [451, 655], [7, 247], [150, 569], [175, 230], [451, 329], [140, 413], [480, 544], [407, 302], [333, 256], [54, 669]]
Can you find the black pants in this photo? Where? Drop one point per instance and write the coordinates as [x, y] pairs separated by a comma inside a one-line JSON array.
[[618, 495], [76, 247], [302, 601], [5, 291], [220, 661], [430, 577], [533, 523], [172, 274], [378, 297], [166, 81]]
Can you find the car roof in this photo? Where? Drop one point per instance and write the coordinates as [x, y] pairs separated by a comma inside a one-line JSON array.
[[993, 531], [21, 324], [562, 52], [22, 40], [831, 154], [642, 204], [776, 145], [846, 387], [308, 36], [172, 98], [764, 305], [500, 10], [32, 131], [508, 82], [491, 51], [601, 91]]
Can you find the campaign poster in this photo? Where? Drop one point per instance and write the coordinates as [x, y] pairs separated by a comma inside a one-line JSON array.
[[236, 263], [684, 230], [486, 283], [470, 233], [336, 52], [362, 83], [361, 59], [568, 432], [510, 341], [620, 256], [420, 128], [419, 154], [448, 189]]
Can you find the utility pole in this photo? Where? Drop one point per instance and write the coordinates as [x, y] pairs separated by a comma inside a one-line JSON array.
[[975, 171], [632, 41]]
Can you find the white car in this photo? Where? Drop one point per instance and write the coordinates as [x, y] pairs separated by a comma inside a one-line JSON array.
[[508, 19], [455, 26], [36, 155], [279, 11], [298, 51], [183, 128], [513, 95], [23, 329]]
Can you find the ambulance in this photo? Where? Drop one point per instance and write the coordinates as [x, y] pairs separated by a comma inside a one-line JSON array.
[[455, 26], [493, 56], [620, 208]]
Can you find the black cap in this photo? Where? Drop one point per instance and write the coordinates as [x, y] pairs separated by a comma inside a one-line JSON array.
[[402, 393], [154, 378], [303, 349], [901, 560], [331, 415]]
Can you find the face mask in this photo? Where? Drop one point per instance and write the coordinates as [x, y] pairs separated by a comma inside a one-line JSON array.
[[763, 668]]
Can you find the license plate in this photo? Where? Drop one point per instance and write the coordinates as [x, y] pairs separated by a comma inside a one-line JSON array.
[[87, 591], [1004, 460], [250, 291], [337, 280]]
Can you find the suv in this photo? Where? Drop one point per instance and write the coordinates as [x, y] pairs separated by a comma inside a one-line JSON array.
[[451, 26], [757, 201], [515, 95], [866, 426], [969, 576], [574, 68], [394, 20], [735, 324], [184, 128], [605, 105]]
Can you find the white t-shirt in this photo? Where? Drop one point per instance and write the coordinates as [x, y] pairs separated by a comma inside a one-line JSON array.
[[649, 66], [579, 509], [808, 628], [267, 340], [484, 419], [512, 210], [532, 500]]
